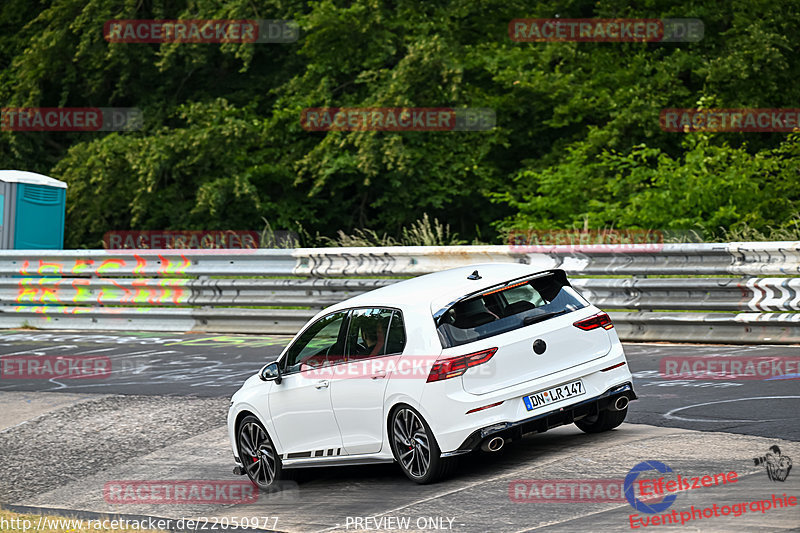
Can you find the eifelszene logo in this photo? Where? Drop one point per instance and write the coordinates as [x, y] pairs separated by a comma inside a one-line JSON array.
[[632, 478], [657, 495]]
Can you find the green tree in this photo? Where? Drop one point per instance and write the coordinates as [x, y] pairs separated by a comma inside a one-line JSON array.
[[577, 136]]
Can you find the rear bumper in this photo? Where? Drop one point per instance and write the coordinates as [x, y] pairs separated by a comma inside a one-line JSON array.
[[544, 421]]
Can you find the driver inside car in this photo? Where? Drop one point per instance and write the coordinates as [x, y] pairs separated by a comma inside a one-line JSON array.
[[372, 339]]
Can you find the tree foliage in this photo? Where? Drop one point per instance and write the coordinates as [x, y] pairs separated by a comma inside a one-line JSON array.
[[577, 137]]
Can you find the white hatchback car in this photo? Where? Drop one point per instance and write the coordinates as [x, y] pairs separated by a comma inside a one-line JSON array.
[[431, 368]]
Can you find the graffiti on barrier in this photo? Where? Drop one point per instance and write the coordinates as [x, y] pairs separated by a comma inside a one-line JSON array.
[[56, 287], [90, 267]]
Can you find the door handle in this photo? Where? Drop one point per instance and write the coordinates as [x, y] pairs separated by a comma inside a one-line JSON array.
[[322, 384], [379, 375]]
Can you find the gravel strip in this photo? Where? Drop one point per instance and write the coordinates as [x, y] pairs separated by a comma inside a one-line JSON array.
[[64, 445]]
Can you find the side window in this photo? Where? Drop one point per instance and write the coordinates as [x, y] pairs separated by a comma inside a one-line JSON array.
[[318, 345], [397, 334], [368, 333]]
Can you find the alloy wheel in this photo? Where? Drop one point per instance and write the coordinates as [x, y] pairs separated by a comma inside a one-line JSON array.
[[411, 442], [257, 454]]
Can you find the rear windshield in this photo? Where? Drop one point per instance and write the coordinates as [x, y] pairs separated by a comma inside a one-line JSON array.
[[507, 308]]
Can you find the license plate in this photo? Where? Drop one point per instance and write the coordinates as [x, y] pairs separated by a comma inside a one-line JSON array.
[[554, 395]]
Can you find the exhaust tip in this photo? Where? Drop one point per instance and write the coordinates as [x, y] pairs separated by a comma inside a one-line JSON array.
[[621, 403], [493, 444], [238, 470]]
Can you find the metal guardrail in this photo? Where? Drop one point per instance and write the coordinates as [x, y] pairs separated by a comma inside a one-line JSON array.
[[276, 291], [147, 263], [740, 259], [694, 294]]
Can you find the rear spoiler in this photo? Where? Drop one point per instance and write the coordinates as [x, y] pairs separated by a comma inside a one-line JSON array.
[[558, 273]]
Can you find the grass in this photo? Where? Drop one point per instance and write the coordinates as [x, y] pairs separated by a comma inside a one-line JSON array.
[[746, 233], [430, 232], [422, 232], [10, 521]]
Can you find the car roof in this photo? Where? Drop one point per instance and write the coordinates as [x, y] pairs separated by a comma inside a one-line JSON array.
[[439, 289]]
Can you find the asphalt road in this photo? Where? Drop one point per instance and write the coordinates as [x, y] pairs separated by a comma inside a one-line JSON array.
[[215, 365], [157, 412]]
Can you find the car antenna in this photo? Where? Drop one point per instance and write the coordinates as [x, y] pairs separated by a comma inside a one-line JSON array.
[[474, 275]]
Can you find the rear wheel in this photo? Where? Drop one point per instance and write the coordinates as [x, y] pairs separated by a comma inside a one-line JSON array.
[[604, 421], [415, 449]]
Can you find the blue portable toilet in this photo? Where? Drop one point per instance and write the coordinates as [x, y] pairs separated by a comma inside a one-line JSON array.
[[32, 208]]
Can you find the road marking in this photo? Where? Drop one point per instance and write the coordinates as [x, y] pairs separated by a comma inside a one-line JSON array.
[[670, 414], [514, 474], [9, 428], [445, 493], [39, 351], [548, 524]]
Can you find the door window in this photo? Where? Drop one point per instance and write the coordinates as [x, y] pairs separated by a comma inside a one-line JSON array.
[[317, 346], [397, 334], [375, 332], [367, 334]]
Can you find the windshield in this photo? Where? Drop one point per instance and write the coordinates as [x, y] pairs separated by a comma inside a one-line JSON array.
[[507, 308]]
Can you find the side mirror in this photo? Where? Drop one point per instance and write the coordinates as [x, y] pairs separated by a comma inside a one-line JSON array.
[[270, 372]]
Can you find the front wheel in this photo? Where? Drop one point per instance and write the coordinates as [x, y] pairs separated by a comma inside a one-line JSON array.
[[604, 421], [258, 455], [414, 447]]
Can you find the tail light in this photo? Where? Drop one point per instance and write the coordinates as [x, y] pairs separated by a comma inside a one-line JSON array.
[[452, 367], [600, 320]]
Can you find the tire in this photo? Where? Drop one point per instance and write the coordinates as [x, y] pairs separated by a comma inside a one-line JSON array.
[[605, 421], [415, 448], [261, 461]]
